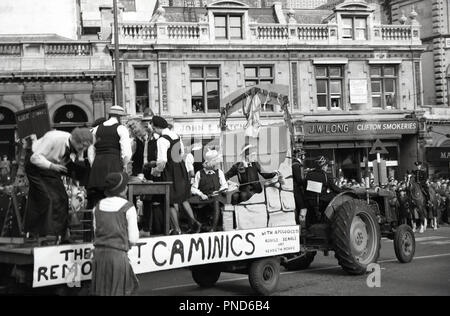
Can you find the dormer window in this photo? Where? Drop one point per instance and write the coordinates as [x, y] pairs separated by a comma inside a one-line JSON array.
[[354, 28], [228, 26]]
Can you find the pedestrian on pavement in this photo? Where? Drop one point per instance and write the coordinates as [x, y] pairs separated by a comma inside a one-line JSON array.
[[116, 231], [47, 206], [111, 153]]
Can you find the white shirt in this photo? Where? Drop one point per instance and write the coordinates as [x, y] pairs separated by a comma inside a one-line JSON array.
[[125, 142], [163, 146], [50, 148], [115, 203], [189, 162], [222, 180]]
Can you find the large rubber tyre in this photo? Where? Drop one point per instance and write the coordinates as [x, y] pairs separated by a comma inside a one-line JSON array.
[[205, 276], [264, 275], [302, 262], [355, 236], [404, 244]]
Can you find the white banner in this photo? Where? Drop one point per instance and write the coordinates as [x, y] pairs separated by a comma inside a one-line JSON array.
[[72, 263]]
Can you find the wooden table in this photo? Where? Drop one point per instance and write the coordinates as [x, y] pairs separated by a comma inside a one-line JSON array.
[[138, 187]]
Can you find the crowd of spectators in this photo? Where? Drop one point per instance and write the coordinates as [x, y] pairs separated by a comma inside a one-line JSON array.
[[439, 190]]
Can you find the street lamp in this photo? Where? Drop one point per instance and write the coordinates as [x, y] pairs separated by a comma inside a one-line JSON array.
[[116, 56]]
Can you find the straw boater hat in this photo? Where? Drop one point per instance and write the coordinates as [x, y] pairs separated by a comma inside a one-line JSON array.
[[117, 110], [212, 156], [116, 182]]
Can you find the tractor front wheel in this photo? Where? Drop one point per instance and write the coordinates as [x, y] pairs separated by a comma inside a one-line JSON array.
[[264, 275], [404, 244]]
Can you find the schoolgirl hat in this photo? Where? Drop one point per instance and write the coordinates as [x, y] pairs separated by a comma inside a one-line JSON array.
[[116, 182], [159, 122]]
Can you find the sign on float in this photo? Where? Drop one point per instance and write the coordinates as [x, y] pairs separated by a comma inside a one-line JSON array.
[[73, 263]]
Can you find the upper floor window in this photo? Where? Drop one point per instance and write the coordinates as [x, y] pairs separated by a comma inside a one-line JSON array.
[[383, 81], [205, 83], [128, 5], [228, 26], [354, 28], [329, 87], [141, 84], [260, 75]]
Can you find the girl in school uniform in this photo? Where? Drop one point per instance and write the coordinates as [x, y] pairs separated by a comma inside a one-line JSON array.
[[116, 230]]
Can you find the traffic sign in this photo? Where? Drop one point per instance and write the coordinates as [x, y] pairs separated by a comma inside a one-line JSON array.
[[378, 148]]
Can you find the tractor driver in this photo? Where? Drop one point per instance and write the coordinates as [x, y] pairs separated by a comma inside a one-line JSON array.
[[320, 190]]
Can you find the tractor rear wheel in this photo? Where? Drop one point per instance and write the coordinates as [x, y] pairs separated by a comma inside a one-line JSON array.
[[404, 244], [206, 275], [301, 262], [264, 275], [356, 237]]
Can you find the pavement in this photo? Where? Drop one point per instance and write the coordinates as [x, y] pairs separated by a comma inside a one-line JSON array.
[[427, 274]]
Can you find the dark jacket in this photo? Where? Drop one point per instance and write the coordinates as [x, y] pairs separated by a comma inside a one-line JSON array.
[[299, 185], [249, 176], [318, 175]]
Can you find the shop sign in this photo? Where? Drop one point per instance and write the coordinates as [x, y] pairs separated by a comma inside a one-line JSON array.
[[211, 127], [72, 264], [356, 128], [438, 154]]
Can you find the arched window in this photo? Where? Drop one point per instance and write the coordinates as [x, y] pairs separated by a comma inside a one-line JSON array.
[[68, 117], [7, 130]]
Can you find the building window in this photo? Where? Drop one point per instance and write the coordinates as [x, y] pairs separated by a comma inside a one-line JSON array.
[[205, 83], [354, 28], [141, 83], [260, 75], [383, 81], [329, 87], [128, 5], [228, 26], [90, 30]]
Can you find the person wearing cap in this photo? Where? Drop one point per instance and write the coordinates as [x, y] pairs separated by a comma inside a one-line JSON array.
[[299, 184], [248, 172], [47, 209], [170, 167], [320, 190], [115, 231], [112, 153], [208, 182]]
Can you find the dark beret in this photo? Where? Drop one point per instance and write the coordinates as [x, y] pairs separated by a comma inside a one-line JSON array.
[[159, 122]]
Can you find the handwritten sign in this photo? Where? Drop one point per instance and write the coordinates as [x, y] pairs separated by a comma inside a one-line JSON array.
[[358, 91], [34, 120], [314, 186], [72, 264]]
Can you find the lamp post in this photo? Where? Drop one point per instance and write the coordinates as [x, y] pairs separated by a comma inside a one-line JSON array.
[[118, 81]]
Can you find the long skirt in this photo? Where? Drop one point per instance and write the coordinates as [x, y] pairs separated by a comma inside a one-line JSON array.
[[180, 190], [103, 165], [112, 274], [47, 209]]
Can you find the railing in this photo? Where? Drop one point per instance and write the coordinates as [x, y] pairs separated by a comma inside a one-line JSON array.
[[70, 49], [10, 49], [313, 32], [138, 31], [272, 32], [53, 56], [182, 31], [258, 33]]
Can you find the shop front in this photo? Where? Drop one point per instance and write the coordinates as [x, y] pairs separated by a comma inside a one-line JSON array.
[[347, 144], [438, 152]]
